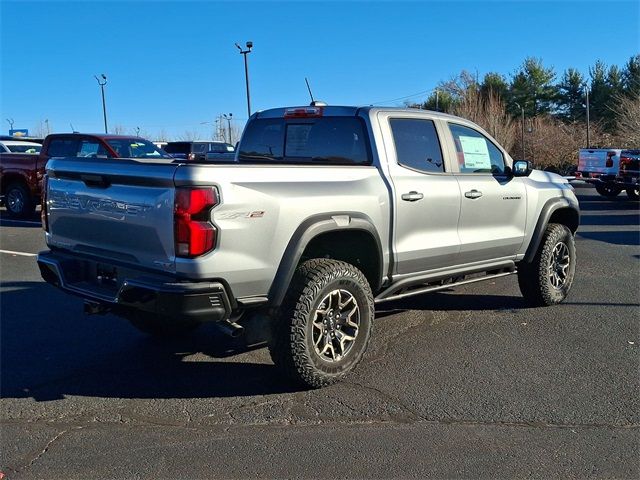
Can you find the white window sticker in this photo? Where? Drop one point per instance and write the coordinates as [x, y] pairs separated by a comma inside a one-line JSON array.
[[476, 153]]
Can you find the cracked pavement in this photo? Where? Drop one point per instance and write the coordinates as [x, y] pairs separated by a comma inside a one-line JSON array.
[[464, 383]]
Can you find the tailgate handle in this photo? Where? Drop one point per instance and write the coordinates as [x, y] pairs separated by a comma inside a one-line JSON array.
[[95, 181]]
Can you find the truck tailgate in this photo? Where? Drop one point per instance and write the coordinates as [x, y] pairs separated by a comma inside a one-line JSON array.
[[113, 209]]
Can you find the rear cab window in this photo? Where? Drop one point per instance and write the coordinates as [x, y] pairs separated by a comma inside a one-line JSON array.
[[332, 140], [417, 144], [63, 147], [475, 152]]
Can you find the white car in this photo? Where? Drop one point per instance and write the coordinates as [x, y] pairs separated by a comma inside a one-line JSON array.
[[18, 146]]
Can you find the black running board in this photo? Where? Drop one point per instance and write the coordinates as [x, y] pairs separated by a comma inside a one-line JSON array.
[[390, 295]]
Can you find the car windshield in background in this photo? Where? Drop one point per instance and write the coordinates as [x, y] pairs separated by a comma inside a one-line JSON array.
[[24, 148], [135, 148], [328, 140]]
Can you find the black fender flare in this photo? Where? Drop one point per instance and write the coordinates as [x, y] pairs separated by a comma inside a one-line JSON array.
[[543, 220], [307, 231]]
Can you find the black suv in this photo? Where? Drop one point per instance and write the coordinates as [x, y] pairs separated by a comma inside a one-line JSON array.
[[196, 150]]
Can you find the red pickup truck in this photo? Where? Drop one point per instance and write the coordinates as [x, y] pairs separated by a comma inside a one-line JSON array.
[[21, 174]]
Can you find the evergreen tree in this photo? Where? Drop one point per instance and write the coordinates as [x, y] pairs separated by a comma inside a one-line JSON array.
[[601, 99], [631, 77], [532, 87], [571, 96], [496, 85]]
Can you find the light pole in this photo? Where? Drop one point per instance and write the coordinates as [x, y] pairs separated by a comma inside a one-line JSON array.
[[228, 118], [246, 72], [522, 110], [586, 92], [102, 82]]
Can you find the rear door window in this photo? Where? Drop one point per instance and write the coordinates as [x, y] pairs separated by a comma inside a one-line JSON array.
[[326, 140], [178, 147], [417, 144]]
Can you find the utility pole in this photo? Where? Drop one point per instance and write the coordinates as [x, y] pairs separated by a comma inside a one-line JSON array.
[[46, 122], [102, 82], [437, 100], [246, 72], [228, 118]]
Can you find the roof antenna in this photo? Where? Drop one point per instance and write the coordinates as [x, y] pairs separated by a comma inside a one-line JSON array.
[[72, 129], [314, 103]]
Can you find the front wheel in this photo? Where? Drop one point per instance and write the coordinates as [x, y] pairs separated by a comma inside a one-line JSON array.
[[608, 190], [548, 278], [633, 193], [323, 328]]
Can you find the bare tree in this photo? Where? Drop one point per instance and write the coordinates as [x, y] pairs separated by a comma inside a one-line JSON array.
[[627, 114], [162, 136], [489, 112], [189, 136], [118, 130]]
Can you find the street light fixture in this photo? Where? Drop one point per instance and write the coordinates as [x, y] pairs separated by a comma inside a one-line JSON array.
[[102, 82], [246, 72], [522, 110], [228, 118]]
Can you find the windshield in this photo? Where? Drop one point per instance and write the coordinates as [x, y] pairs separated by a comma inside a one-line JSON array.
[[26, 148], [135, 148]]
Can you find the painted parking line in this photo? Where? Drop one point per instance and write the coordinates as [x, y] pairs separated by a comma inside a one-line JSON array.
[[22, 254]]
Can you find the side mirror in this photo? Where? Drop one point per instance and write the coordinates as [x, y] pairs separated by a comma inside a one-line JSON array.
[[521, 168]]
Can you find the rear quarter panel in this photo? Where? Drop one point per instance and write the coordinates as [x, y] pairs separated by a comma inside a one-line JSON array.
[[261, 208]]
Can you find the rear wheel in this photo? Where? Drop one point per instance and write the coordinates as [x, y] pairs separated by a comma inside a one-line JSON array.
[[158, 326], [324, 325], [633, 193], [18, 201], [608, 190], [548, 279]]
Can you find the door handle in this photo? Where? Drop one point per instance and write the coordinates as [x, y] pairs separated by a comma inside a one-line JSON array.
[[473, 194], [412, 196]]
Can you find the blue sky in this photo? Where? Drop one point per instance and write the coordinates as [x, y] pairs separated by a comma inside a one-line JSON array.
[[173, 65]]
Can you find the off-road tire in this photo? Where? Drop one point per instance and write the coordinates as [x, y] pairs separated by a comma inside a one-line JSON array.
[[632, 193], [18, 201], [534, 278], [159, 326], [607, 190], [291, 345]]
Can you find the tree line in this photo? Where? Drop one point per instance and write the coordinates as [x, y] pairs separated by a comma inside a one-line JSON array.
[[554, 108]]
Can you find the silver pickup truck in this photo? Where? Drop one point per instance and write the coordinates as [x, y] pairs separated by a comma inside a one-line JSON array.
[[326, 212]]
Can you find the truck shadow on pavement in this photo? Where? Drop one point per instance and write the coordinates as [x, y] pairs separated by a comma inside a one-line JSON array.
[[49, 349]]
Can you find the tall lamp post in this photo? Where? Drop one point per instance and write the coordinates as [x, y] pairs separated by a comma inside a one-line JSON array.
[[246, 72], [522, 110], [586, 92], [102, 81], [228, 118]]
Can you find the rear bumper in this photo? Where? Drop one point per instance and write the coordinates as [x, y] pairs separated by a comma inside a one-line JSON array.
[[193, 301]]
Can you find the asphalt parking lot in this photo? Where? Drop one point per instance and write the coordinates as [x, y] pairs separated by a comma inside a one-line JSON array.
[[464, 383]]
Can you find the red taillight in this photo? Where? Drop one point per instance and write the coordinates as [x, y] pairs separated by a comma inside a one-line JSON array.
[[610, 156], [43, 206], [194, 233], [303, 112]]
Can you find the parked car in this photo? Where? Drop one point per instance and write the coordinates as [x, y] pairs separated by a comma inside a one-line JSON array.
[[197, 150], [602, 167], [17, 146], [327, 212], [21, 174]]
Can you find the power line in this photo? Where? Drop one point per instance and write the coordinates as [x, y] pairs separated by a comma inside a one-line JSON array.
[[405, 97]]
